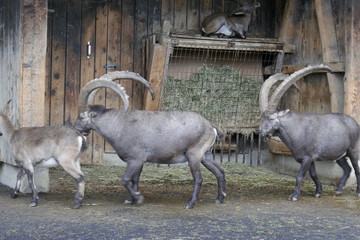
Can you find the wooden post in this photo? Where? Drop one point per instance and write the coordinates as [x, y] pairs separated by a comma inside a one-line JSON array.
[[352, 49], [33, 72], [157, 66], [330, 52]]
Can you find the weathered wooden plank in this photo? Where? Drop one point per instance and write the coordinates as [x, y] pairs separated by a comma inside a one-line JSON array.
[[141, 31], [87, 69], [157, 64], [193, 15], [72, 80], [206, 9], [352, 46], [127, 45], [180, 15], [330, 52], [58, 49], [114, 53], [100, 62], [33, 63]]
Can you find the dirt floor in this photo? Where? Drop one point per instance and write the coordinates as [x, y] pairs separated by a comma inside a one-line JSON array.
[[256, 208]]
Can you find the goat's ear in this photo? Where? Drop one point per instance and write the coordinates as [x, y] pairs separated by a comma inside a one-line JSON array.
[[283, 113], [7, 110]]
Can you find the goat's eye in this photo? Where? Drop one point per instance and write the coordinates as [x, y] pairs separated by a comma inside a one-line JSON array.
[[92, 114]]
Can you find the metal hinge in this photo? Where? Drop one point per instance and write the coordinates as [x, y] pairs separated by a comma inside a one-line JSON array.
[[110, 66]]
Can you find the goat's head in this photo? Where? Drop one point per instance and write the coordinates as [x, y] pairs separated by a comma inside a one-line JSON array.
[[87, 112], [270, 122], [87, 120], [270, 118], [269, 105]]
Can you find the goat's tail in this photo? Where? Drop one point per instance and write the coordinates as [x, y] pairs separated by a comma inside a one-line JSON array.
[[219, 134]]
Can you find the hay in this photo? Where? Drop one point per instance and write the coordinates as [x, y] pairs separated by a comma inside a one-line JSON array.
[[221, 94]]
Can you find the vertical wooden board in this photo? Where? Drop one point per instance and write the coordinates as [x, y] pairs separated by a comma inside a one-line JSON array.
[[72, 81], [180, 15], [218, 6], [127, 45], [352, 75], [58, 50], [154, 16], [206, 9], [48, 64], [167, 11], [100, 62], [157, 65], [193, 15], [87, 71], [113, 55], [141, 31]]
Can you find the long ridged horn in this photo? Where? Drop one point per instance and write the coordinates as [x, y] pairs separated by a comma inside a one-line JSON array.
[[95, 84], [122, 75], [290, 80], [265, 89]]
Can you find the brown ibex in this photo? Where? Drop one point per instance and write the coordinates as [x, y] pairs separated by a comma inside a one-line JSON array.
[[46, 147], [233, 25]]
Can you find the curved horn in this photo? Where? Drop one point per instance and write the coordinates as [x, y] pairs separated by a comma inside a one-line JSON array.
[[123, 75], [265, 89], [95, 84], [290, 80]]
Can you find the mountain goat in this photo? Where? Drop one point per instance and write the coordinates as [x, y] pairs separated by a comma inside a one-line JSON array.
[[150, 136]]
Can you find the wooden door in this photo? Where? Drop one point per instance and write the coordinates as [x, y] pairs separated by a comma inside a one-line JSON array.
[[86, 39]]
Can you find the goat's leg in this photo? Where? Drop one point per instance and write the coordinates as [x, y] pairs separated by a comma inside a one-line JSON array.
[[305, 166], [213, 167], [135, 186], [194, 164], [354, 163], [132, 174], [30, 173], [15, 192], [314, 177], [347, 170], [73, 168]]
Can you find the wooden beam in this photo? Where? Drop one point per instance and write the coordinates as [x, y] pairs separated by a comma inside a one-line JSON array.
[[33, 72], [156, 72], [352, 49], [330, 52]]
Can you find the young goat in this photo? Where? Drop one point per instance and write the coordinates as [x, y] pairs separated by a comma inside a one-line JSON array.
[[47, 147]]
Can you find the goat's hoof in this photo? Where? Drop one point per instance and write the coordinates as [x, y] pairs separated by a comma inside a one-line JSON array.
[[293, 198], [139, 199], [338, 193], [33, 204], [77, 204], [14, 195], [189, 206], [317, 195]]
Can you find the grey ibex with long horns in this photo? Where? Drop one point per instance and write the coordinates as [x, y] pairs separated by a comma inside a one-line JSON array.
[[309, 136], [150, 136]]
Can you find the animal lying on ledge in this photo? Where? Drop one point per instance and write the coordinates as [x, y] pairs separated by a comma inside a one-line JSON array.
[[309, 136], [165, 137], [229, 25], [47, 147]]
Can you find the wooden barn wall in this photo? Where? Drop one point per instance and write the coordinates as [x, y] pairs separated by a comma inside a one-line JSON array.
[[10, 39], [302, 30], [116, 30]]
